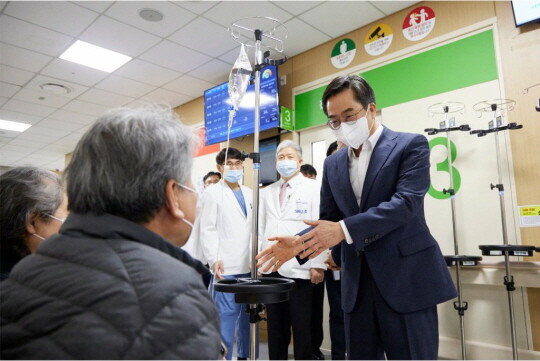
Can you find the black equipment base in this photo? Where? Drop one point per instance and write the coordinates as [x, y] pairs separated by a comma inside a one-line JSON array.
[[263, 290], [512, 250], [462, 260]]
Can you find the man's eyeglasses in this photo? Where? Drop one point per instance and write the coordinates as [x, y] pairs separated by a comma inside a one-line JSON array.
[[61, 220], [234, 164], [186, 188], [349, 118]]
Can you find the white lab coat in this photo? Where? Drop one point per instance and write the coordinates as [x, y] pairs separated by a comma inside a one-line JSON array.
[[302, 203], [225, 232]]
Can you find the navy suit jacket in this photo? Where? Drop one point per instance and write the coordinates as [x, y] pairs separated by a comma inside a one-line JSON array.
[[389, 226]]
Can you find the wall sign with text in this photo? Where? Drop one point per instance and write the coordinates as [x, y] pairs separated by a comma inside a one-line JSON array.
[[418, 23]]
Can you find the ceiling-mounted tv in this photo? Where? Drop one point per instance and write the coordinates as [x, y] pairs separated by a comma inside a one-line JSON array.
[[217, 105], [526, 11]]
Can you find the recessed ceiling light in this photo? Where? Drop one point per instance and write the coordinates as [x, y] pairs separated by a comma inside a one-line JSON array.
[[150, 15], [94, 56], [14, 126], [54, 88]]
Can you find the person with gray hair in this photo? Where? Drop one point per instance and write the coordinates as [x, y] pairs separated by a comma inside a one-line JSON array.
[[285, 205], [114, 284], [34, 207]]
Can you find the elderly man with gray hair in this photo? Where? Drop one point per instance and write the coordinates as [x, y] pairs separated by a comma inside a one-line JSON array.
[[285, 205], [113, 284]]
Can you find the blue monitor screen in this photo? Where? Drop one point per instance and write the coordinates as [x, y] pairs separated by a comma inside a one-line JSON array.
[[217, 105]]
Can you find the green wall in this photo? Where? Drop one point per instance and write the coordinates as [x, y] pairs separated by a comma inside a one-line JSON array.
[[448, 67]]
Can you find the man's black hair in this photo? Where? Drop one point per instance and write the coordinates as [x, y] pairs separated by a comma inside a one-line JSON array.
[[232, 154], [331, 148], [308, 169], [210, 174], [362, 91]]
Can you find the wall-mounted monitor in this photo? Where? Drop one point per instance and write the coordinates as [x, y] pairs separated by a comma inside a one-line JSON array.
[[526, 11], [217, 105]]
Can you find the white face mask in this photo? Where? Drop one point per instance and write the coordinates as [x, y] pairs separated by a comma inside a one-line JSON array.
[[353, 135], [287, 167]]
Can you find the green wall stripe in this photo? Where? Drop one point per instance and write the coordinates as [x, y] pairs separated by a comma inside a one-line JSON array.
[[448, 67]]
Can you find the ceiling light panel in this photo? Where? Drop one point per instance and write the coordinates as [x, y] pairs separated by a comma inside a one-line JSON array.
[[95, 57], [14, 126]]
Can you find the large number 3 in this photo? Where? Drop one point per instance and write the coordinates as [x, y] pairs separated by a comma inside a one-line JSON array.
[[444, 167]]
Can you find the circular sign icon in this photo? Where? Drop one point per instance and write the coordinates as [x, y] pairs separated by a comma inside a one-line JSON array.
[[418, 23], [343, 53], [378, 39]]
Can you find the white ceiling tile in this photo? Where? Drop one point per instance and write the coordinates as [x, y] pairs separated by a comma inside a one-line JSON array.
[[83, 129], [231, 56], [3, 100], [63, 17], [311, 37], [147, 73], [297, 7], [73, 137], [215, 71], [127, 40], [24, 162], [67, 142], [9, 134], [38, 137], [98, 96], [28, 108], [19, 117], [74, 89], [16, 148], [72, 117], [27, 143], [22, 59], [41, 98], [73, 72], [7, 90], [32, 37], [60, 124], [189, 86], [48, 132], [14, 76], [86, 108], [196, 35], [390, 7], [98, 6], [174, 56], [57, 148], [198, 7], [120, 85], [174, 17], [162, 96], [4, 140], [227, 10], [351, 14]]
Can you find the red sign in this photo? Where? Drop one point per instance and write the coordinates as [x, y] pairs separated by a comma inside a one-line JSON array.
[[205, 149], [418, 23]]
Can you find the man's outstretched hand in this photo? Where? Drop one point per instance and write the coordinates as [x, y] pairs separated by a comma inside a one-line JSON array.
[[324, 235], [280, 252]]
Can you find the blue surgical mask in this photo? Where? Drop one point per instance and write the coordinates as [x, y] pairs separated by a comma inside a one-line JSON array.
[[234, 175], [287, 167]]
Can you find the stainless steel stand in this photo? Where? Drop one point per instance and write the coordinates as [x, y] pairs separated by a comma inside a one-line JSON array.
[[258, 33], [456, 260], [496, 125]]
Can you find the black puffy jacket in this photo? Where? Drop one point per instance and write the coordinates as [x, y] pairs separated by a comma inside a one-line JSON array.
[[107, 288]]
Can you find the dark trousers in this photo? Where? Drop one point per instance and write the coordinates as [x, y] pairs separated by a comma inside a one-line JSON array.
[[373, 329], [337, 325], [317, 333], [296, 314]]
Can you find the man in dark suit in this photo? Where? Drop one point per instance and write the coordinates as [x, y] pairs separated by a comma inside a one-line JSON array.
[[372, 209]]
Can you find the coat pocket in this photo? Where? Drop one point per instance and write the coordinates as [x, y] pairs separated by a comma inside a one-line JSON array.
[[416, 243]]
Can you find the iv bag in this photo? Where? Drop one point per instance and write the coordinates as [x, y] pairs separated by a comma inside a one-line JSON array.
[[239, 78]]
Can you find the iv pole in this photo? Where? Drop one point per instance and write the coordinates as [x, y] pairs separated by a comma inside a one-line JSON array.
[[254, 291], [456, 260], [495, 126]]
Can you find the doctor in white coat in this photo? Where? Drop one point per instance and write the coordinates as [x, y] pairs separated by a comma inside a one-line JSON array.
[[285, 205], [225, 233]]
